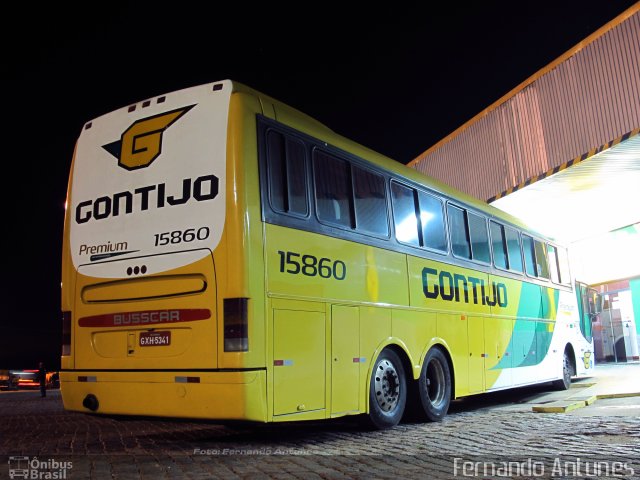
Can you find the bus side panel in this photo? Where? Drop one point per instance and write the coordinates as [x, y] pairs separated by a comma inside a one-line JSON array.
[[67, 282], [418, 329], [508, 344], [570, 316], [307, 265], [461, 297], [239, 257], [345, 360], [299, 361], [375, 328], [528, 357], [452, 328]]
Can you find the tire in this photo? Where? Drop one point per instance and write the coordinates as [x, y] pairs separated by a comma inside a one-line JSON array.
[[387, 391], [567, 372], [434, 386]]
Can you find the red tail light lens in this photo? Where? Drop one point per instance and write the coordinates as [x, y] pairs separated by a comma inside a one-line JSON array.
[[236, 325], [66, 333]]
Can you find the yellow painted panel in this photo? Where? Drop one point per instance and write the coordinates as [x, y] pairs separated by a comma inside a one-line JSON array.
[[93, 348], [144, 288], [345, 358], [477, 354], [499, 360], [218, 395], [288, 304], [308, 265], [452, 329], [416, 329], [299, 361], [375, 329]]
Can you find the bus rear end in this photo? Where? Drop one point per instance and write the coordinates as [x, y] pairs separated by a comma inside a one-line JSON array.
[[149, 325]]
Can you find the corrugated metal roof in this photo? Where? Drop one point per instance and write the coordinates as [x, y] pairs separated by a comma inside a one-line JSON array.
[[574, 106]]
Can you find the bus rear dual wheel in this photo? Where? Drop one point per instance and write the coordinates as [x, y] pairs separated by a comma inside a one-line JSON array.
[[388, 389]]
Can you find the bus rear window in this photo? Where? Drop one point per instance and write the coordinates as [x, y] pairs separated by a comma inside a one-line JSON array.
[[287, 176]]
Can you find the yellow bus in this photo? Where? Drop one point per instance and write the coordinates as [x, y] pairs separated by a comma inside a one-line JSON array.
[[227, 257]]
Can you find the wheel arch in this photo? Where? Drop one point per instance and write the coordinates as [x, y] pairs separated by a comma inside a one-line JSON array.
[[402, 351], [568, 348]]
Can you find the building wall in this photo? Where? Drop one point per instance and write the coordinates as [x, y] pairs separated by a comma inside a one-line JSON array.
[[635, 294], [578, 103]]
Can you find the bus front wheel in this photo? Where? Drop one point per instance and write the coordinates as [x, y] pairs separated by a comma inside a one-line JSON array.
[[434, 385], [567, 372], [387, 391]]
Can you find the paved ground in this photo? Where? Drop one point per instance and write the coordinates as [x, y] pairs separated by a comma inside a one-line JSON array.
[[601, 440]]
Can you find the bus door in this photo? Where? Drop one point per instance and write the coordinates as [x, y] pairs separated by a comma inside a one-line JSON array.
[[588, 301], [298, 357], [345, 359]]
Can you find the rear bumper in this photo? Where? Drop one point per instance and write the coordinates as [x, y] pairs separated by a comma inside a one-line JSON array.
[[207, 395]]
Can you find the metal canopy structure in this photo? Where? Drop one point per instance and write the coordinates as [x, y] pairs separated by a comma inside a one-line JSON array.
[[594, 196]]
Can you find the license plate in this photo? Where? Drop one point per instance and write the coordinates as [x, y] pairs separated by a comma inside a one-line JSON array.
[[155, 339]]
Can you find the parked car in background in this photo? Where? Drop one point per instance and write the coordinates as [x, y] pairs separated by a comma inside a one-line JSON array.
[[4, 379], [27, 379]]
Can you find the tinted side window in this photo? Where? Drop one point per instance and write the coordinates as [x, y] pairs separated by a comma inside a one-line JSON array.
[[541, 259], [499, 245], [513, 247], [370, 202], [563, 264], [529, 255], [432, 220], [553, 263], [404, 214], [287, 174], [332, 179], [479, 238], [458, 226]]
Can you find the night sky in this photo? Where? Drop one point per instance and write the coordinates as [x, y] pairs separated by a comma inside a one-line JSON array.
[[396, 77]]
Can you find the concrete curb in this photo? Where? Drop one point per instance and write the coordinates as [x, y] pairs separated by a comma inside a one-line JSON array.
[[559, 407], [619, 395], [564, 406]]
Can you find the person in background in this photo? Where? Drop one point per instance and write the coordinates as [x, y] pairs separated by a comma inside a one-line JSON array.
[[42, 376]]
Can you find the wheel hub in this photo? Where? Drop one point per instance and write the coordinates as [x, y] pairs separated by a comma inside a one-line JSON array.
[[387, 386], [435, 383]]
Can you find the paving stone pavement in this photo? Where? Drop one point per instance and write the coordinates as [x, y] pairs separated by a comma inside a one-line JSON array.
[[479, 434]]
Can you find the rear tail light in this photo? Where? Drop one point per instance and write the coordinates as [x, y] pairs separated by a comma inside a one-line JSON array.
[[66, 333], [236, 329]]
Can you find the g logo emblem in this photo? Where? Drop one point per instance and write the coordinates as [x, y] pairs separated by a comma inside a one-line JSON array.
[[141, 143]]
